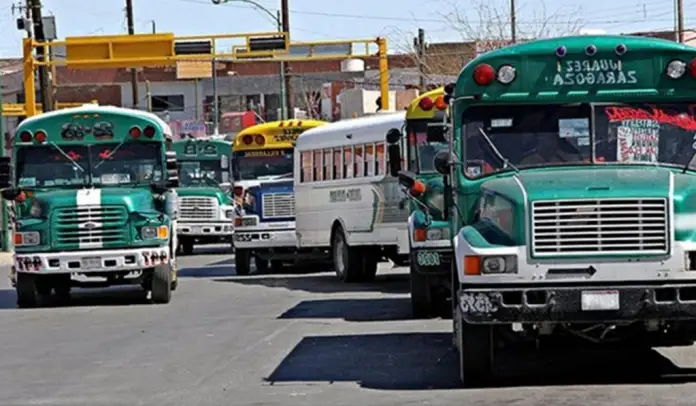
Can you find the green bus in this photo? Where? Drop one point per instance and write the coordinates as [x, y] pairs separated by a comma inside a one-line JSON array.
[[571, 185], [206, 207], [94, 202]]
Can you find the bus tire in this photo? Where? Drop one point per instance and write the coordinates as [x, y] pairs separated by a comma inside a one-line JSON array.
[[242, 262], [187, 246], [262, 265], [476, 354], [27, 294], [370, 259], [161, 284], [421, 300], [276, 266], [347, 260]]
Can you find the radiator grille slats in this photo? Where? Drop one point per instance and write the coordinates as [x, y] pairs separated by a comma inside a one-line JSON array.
[[198, 208], [278, 205], [600, 226]]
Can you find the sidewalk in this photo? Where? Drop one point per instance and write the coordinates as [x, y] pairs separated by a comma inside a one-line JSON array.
[[5, 258]]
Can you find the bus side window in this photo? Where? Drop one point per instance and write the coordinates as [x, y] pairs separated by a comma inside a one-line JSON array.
[[318, 165], [370, 160], [348, 163], [380, 167], [359, 158], [327, 164], [306, 174], [337, 163]]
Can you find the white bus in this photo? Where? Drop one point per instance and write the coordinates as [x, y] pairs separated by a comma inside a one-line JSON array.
[[347, 204]]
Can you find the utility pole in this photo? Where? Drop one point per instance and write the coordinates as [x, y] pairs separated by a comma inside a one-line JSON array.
[[680, 20], [513, 22], [134, 73], [419, 45], [153, 24], [285, 13], [44, 81]]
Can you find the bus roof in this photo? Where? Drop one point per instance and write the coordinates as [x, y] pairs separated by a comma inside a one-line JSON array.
[[96, 109], [362, 130], [273, 126], [414, 110], [542, 73]]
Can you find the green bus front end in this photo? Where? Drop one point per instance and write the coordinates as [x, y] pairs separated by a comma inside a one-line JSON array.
[[93, 203], [206, 206], [574, 185]]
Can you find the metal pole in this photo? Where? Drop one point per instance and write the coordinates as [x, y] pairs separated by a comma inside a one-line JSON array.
[[148, 94], [216, 104], [134, 73], [680, 20], [420, 49], [383, 73], [513, 22], [154, 26], [5, 218], [44, 82], [283, 91], [285, 20]]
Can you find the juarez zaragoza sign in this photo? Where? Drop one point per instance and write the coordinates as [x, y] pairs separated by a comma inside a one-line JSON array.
[[593, 72]]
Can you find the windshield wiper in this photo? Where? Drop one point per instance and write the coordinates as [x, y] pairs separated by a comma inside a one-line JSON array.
[[506, 162], [101, 161], [60, 150]]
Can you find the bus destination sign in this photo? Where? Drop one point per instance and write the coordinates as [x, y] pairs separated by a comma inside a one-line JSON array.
[[592, 73]]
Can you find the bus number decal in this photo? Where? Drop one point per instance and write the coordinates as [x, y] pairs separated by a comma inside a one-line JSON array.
[[285, 137], [345, 195], [597, 72]]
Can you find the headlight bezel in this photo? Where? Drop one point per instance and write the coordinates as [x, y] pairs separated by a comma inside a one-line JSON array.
[[36, 209], [160, 232]]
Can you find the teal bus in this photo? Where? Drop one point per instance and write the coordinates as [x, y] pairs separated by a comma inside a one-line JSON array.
[[206, 206], [570, 183], [94, 201]]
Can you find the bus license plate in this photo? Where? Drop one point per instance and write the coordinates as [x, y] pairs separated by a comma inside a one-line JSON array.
[[92, 263], [598, 300]]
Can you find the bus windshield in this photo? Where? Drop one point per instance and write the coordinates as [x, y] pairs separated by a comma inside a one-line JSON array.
[[533, 136], [106, 164], [250, 165], [421, 150], [202, 173]]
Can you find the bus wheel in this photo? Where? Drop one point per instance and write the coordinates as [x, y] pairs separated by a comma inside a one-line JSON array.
[[421, 301], [161, 284], [276, 266], [187, 246], [370, 260], [262, 265], [242, 261], [27, 294], [476, 353], [346, 260]]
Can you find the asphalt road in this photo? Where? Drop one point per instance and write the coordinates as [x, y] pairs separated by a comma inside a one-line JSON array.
[[290, 339]]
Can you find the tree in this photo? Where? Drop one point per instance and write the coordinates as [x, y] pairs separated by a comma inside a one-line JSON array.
[[485, 25]]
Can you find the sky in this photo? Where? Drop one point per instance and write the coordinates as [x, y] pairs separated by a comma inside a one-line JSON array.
[[310, 20]]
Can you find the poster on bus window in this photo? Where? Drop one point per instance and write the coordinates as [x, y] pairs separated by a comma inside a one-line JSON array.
[[370, 160], [381, 163], [638, 141]]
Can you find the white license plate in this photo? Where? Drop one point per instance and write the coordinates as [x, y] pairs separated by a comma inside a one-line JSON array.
[[196, 230], [92, 263], [600, 300]]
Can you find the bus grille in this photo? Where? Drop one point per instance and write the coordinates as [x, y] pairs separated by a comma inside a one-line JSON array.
[[198, 208], [278, 205], [601, 226], [91, 226]]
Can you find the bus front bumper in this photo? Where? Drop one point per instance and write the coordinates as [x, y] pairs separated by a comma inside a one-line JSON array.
[[86, 262], [249, 238], [218, 229]]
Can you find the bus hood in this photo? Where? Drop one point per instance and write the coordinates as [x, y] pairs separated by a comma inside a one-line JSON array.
[[283, 210], [136, 199], [202, 191]]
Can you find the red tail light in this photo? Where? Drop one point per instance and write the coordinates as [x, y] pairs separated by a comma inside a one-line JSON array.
[[40, 137], [149, 131], [248, 139], [25, 136], [260, 139], [440, 103], [135, 132], [426, 103]]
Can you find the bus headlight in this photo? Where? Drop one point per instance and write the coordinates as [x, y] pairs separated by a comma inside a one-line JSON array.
[[229, 214], [36, 210], [437, 234], [154, 232], [26, 239], [496, 265]]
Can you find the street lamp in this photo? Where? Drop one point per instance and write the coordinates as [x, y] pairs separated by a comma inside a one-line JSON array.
[[279, 27]]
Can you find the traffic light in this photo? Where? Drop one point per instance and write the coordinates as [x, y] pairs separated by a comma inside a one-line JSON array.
[[273, 43], [193, 47]]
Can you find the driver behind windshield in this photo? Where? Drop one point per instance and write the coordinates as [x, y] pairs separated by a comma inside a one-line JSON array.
[[548, 149]]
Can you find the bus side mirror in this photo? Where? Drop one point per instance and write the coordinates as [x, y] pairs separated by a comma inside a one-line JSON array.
[[442, 162], [394, 151], [6, 169]]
